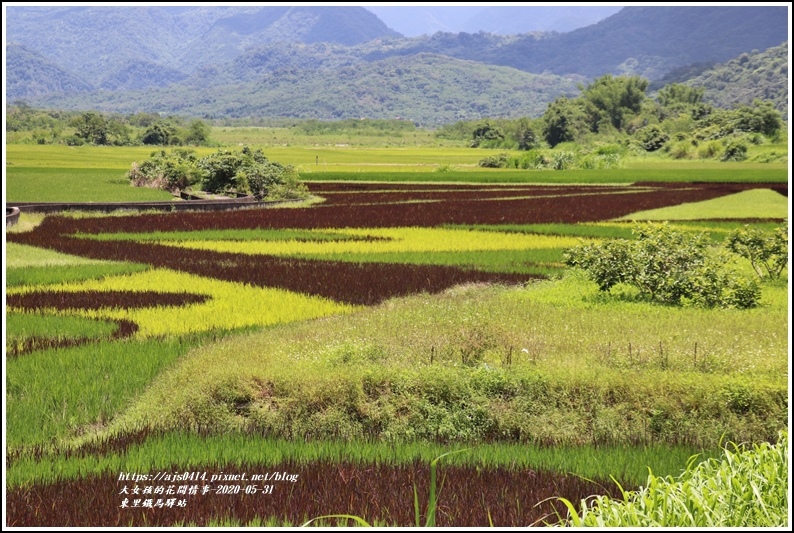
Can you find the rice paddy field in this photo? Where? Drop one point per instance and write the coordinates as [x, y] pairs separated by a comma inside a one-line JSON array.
[[264, 367]]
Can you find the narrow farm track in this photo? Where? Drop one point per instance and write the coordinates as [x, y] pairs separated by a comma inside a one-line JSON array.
[[381, 493]]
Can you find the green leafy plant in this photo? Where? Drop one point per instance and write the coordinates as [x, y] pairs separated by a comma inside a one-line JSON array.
[[766, 251], [666, 266], [746, 488]]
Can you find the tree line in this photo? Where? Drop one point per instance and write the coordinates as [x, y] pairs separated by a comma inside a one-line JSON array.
[[94, 127], [617, 109]]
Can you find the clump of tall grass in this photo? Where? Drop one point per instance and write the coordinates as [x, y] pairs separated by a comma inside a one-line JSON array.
[[746, 488]]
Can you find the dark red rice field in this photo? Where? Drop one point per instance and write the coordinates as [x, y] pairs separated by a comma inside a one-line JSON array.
[[378, 493]]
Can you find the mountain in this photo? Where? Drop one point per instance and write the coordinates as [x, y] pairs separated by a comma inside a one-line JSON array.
[[645, 41], [96, 41], [138, 74], [28, 75], [427, 89], [330, 62], [416, 20], [749, 76]]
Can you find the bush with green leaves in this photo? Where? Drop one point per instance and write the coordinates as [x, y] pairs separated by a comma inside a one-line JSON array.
[[245, 171], [766, 251], [667, 266], [735, 150], [173, 171], [651, 138]]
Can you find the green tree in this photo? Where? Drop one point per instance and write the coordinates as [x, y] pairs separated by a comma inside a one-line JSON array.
[[160, 133], [92, 127], [525, 135], [761, 117], [485, 132], [617, 99], [678, 94], [563, 121], [198, 133], [766, 251]]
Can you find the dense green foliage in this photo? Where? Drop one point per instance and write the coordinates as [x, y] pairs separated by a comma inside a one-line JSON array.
[[766, 251], [76, 128], [666, 266], [246, 171], [747, 487], [751, 76]]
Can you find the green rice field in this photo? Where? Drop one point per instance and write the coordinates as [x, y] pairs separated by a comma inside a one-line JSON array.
[[349, 344]]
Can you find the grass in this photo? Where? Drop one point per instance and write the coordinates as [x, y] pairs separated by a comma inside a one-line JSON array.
[[236, 450], [22, 326], [53, 393], [95, 173], [747, 487], [49, 184], [554, 363], [756, 203], [563, 377], [24, 256]]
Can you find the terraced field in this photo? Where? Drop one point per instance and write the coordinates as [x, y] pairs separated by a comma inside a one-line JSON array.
[[407, 319]]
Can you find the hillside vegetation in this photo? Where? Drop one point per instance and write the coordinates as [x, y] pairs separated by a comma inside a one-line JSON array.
[[244, 62]]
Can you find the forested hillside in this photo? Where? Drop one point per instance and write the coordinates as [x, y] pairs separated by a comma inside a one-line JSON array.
[[428, 89], [752, 75], [647, 41], [280, 61]]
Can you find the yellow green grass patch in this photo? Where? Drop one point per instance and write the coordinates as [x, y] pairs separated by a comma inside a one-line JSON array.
[[230, 306], [756, 203], [391, 240]]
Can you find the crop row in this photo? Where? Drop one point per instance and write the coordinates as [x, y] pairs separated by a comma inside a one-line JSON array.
[[27, 332], [354, 283], [217, 304], [401, 195], [30, 344], [381, 493], [100, 299], [588, 207]]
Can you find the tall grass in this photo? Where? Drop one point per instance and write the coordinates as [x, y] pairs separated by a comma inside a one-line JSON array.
[[553, 363], [52, 275], [748, 487], [23, 326], [187, 450], [53, 393]]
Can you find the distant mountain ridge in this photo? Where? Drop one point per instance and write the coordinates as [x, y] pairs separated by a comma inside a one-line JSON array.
[[228, 61], [96, 41]]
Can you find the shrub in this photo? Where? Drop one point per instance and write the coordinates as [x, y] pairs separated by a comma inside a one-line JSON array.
[[735, 150], [652, 138], [767, 252], [494, 161], [245, 171], [666, 266], [709, 150]]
